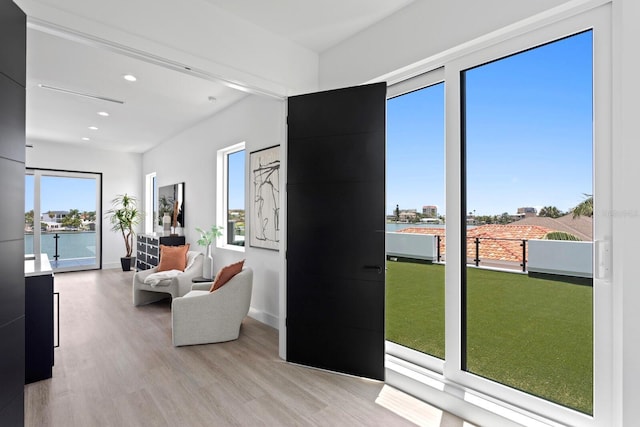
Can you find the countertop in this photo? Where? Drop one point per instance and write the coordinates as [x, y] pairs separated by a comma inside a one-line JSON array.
[[37, 266]]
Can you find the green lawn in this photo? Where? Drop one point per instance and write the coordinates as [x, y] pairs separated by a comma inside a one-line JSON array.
[[532, 334]]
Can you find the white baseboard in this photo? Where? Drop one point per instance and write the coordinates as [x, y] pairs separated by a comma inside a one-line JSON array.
[[266, 318], [110, 265]]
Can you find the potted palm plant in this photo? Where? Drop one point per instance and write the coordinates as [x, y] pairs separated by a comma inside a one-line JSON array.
[[124, 216]]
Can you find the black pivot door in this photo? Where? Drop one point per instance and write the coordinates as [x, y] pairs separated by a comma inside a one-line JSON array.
[[335, 230]]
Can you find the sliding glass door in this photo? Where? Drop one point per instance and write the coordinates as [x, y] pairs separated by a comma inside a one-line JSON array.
[[63, 218], [505, 296], [529, 152], [415, 226]]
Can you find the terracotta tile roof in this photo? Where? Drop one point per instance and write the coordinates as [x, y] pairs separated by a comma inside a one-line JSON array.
[[497, 242], [509, 247]]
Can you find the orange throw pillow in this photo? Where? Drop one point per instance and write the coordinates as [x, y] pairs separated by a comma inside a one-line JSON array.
[[225, 274], [173, 257]]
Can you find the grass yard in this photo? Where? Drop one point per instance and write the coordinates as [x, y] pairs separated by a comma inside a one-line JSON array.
[[532, 334]]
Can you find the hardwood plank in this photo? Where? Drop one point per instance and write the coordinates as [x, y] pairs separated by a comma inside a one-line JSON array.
[[117, 367]]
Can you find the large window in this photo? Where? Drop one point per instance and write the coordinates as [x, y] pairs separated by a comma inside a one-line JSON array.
[[520, 294], [150, 203], [63, 218], [231, 194]]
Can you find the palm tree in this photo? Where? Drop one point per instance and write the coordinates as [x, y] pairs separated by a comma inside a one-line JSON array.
[[584, 208], [28, 218], [550, 211], [72, 219], [124, 216], [560, 235]]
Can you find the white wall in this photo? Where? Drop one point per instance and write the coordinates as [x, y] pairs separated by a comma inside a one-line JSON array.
[[190, 157], [626, 211], [121, 174], [419, 31]]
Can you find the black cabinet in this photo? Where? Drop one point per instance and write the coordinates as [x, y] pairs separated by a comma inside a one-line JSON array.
[[13, 37], [38, 327], [148, 249], [12, 120], [13, 33]]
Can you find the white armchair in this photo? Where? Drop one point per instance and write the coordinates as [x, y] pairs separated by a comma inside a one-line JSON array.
[[202, 317], [144, 293]]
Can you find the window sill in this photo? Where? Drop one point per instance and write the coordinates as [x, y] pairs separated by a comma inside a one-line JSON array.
[[457, 399], [233, 248]]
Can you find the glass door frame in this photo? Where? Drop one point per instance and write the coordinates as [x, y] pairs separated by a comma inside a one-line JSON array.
[[38, 173], [597, 19], [404, 87], [444, 383]]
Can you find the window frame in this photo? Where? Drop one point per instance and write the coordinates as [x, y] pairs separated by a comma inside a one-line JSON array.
[[223, 193], [421, 81], [38, 174], [150, 202], [452, 387]]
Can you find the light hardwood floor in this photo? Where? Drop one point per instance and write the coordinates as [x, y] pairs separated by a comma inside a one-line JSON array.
[[116, 366]]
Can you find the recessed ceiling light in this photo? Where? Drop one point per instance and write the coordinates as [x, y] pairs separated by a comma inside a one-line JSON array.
[[129, 77], [84, 138], [93, 128], [103, 113]]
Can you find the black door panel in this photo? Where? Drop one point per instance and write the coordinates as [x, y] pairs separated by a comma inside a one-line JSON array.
[[335, 230]]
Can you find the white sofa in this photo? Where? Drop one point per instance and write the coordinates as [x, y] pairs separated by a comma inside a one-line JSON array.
[[178, 286], [201, 317]]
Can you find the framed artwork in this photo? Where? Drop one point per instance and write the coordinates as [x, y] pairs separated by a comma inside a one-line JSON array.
[[265, 198]]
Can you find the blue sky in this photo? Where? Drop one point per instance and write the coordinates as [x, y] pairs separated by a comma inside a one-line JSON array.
[[529, 134], [415, 150], [236, 179], [62, 194]]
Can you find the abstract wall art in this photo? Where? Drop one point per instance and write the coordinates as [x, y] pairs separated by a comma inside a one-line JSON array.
[[265, 198]]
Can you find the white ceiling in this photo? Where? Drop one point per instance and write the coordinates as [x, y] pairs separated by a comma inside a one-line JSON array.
[[316, 25], [158, 105], [163, 102]]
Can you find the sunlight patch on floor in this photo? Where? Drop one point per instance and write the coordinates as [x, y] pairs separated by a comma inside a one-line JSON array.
[[417, 411]]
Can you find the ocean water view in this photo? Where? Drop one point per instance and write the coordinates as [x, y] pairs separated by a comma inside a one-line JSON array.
[[395, 226], [71, 245]]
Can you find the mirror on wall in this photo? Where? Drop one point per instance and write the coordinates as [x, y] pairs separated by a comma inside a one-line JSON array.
[[171, 203]]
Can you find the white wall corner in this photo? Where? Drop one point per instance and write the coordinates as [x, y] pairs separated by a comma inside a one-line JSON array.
[[264, 317]]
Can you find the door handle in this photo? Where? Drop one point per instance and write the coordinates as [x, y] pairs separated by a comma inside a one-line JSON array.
[[374, 267]]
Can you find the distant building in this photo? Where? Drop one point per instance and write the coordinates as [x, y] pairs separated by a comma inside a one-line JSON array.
[[51, 226], [431, 220], [407, 215], [430, 211], [53, 216], [527, 212]]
